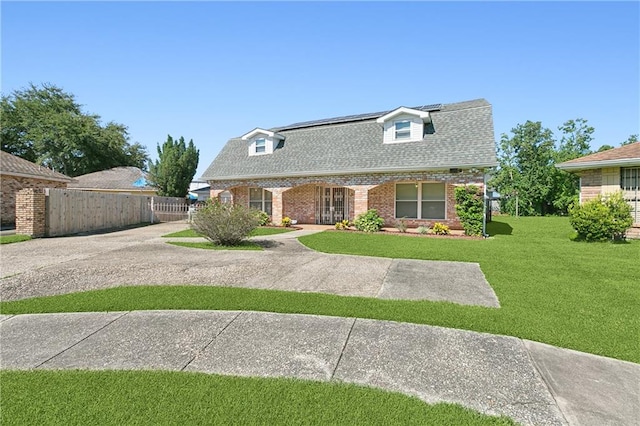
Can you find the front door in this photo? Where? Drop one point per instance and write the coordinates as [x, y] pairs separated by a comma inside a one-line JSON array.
[[331, 205]]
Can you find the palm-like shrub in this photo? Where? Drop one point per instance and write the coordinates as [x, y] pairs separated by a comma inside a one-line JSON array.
[[225, 224]]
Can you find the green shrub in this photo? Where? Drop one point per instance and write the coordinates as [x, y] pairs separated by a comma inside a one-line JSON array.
[[423, 229], [343, 224], [263, 218], [369, 221], [401, 225], [601, 219], [470, 208], [225, 224], [440, 229], [286, 221]]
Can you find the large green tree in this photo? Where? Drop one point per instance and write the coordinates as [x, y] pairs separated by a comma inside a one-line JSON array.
[[176, 165], [46, 125], [575, 142]]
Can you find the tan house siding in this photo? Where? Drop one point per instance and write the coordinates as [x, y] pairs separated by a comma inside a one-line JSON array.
[[590, 184], [11, 185], [610, 180]]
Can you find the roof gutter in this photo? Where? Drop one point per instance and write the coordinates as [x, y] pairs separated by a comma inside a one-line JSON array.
[[598, 164], [352, 172]]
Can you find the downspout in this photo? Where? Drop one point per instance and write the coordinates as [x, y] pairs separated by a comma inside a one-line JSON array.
[[484, 204]]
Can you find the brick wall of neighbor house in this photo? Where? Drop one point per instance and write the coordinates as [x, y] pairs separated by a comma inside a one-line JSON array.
[[11, 185], [380, 195], [30, 205], [590, 184]]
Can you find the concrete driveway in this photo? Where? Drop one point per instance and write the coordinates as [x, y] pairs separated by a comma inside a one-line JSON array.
[[142, 257]]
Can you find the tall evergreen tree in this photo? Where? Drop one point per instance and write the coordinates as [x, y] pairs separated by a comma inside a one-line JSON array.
[[174, 170]]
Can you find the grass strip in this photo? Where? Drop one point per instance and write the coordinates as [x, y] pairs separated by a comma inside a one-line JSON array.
[[258, 232], [16, 238], [155, 397], [244, 245]]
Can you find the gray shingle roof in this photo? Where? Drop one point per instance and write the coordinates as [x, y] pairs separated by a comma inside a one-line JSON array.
[[463, 137], [120, 178], [16, 166]]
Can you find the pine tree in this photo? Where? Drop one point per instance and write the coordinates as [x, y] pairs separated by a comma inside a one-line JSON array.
[[176, 165]]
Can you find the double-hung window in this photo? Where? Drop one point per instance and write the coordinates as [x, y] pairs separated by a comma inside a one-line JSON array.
[[402, 130], [421, 200], [261, 146], [260, 199]]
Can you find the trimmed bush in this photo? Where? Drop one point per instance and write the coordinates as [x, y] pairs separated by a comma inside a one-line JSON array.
[[441, 229], [601, 219], [369, 221], [263, 218], [470, 208], [225, 224]]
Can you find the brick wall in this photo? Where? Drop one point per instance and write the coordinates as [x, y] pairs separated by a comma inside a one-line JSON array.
[[30, 205], [367, 191], [10, 185], [590, 184]]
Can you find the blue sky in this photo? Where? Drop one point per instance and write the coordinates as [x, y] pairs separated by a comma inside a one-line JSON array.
[[210, 71]]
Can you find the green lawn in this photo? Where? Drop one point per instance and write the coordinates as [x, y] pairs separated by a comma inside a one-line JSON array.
[[258, 232], [158, 398], [583, 296], [8, 239], [244, 245]]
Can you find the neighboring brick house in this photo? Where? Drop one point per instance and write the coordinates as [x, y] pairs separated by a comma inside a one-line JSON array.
[[17, 174], [616, 169], [403, 163], [121, 180]]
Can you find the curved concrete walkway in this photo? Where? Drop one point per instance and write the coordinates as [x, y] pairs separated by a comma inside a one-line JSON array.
[[533, 383], [141, 256]]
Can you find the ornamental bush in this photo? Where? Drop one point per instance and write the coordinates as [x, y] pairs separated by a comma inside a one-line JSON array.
[[441, 229], [225, 224], [470, 208], [601, 219], [263, 218], [369, 221]]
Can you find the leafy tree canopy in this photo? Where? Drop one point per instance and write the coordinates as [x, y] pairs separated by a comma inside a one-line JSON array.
[[47, 126], [631, 139], [176, 165]]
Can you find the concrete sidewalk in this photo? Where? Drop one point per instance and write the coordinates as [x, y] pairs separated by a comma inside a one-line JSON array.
[[530, 382]]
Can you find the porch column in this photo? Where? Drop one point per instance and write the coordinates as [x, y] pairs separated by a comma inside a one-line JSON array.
[[361, 199], [215, 193], [277, 206]]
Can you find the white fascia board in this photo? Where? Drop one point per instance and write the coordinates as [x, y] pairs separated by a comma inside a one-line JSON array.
[[424, 115], [259, 131], [40, 177], [479, 166], [624, 162]]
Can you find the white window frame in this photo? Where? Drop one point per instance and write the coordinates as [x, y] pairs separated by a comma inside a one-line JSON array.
[[403, 131], [263, 199], [419, 200], [263, 146]]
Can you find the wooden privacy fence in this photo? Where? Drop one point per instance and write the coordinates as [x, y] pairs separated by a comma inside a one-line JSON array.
[[55, 212]]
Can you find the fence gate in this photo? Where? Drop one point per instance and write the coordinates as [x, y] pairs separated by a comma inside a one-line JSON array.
[[331, 205], [630, 184], [169, 209]]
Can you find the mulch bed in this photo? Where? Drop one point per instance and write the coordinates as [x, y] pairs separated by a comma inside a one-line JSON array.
[[410, 234]]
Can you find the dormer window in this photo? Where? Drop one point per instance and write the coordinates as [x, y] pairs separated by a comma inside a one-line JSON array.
[[402, 129], [262, 141]]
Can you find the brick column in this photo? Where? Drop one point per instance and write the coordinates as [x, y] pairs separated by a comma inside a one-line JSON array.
[[277, 204], [215, 193], [30, 217], [361, 199]]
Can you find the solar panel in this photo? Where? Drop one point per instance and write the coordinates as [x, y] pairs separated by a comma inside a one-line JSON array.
[[349, 118]]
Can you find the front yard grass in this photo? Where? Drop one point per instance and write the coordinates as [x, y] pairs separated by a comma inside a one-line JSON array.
[[155, 397], [583, 296], [258, 232], [16, 238], [244, 245]]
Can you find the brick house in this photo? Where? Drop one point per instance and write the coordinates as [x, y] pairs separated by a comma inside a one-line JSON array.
[[610, 171], [17, 174], [405, 163]]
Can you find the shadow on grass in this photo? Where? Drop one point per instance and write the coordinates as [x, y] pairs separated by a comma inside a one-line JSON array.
[[499, 228]]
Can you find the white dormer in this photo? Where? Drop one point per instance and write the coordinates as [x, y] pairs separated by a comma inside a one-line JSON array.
[[404, 125], [262, 141]]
